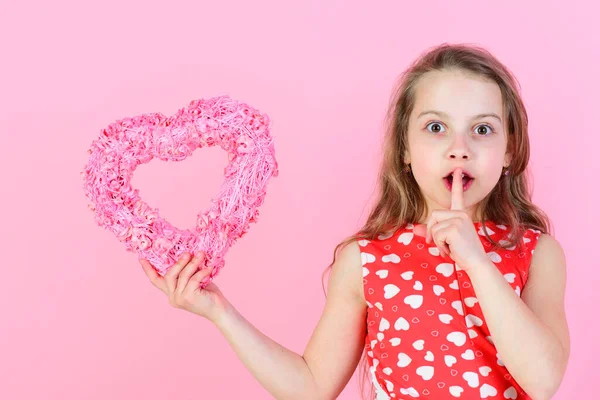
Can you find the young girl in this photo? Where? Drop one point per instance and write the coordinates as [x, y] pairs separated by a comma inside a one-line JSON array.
[[441, 291]]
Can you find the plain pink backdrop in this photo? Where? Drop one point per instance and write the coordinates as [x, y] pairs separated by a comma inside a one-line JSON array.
[[79, 318]]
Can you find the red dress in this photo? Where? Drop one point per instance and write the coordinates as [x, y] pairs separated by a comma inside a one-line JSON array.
[[426, 334]]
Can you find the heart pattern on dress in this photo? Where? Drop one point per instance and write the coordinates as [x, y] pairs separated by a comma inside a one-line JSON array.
[[443, 341]]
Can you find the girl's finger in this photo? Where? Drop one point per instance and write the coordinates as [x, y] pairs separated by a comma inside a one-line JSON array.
[[442, 245], [195, 280], [438, 245], [440, 231], [157, 280], [188, 271], [428, 235], [173, 272]]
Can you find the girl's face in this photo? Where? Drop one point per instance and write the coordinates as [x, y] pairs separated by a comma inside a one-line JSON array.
[[457, 121]]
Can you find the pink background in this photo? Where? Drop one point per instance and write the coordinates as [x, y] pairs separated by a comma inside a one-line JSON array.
[[80, 320]]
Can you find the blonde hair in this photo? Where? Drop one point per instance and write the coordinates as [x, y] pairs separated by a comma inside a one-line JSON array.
[[400, 201]]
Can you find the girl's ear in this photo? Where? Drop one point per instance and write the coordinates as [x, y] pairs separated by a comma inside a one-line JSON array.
[[508, 156], [507, 159]]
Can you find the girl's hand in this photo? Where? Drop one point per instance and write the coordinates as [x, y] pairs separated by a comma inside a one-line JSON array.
[[181, 285], [453, 231]]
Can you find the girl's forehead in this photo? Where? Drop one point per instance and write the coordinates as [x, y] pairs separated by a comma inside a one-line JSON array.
[[457, 94]]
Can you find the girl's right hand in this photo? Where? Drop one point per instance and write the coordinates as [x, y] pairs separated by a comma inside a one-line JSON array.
[[181, 284]]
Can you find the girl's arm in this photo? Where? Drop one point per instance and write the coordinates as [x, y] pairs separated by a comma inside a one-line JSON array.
[[332, 353], [530, 333]]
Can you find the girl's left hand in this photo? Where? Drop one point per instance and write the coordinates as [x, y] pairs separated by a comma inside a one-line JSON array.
[[453, 231]]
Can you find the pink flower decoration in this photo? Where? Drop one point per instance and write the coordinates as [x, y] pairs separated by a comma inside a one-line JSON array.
[[239, 129]]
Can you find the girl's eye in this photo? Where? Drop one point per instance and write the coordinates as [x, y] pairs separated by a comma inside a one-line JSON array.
[[491, 130], [436, 124], [438, 127]]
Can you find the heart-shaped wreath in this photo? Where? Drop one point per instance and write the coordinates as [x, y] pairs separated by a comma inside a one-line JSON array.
[[238, 128]]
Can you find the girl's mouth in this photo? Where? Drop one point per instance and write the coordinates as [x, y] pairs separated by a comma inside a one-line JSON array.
[[467, 182]]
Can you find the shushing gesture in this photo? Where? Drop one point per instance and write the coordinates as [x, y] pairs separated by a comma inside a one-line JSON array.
[[453, 231]]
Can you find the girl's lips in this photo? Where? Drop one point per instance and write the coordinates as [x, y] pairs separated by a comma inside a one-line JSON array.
[[466, 185]]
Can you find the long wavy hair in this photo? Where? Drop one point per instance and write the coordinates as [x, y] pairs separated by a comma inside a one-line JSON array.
[[400, 201]]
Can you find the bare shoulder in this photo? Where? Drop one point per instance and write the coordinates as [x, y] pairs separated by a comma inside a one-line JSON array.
[[347, 272], [547, 270], [548, 257], [544, 292]]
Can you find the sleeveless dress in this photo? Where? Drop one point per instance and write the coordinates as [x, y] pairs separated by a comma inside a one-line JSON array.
[[426, 334]]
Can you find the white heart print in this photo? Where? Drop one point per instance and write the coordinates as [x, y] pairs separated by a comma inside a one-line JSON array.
[[390, 290], [438, 290], [405, 238], [450, 360], [415, 300], [486, 391], [384, 324], [365, 271], [472, 379], [418, 345], [403, 360], [495, 257], [418, 285], [510, 393], [445, 318], [458, 338], [395, 341], [468, 355], [484, 371], [412, 392], [510, 277], [457, 305], [393, 258], [425, 372], [401, 324], [445, 269], [472, 320], [367, 258], [389, 385], [434, 251], [470, 301], [487, 228], [429, 356], [456, 390], [407, 276], [382, 273]]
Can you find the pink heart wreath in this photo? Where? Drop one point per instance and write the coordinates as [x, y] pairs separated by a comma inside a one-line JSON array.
[[238, 128]]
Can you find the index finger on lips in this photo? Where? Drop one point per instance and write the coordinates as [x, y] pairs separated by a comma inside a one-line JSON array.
[[457, 190]]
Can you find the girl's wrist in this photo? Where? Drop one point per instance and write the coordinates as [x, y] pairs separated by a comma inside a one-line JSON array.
[[223, 313]]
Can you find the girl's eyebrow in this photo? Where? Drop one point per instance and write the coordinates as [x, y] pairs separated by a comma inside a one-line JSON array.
[[443, 114]]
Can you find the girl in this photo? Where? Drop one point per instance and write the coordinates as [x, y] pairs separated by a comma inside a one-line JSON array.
[[441, 291]]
